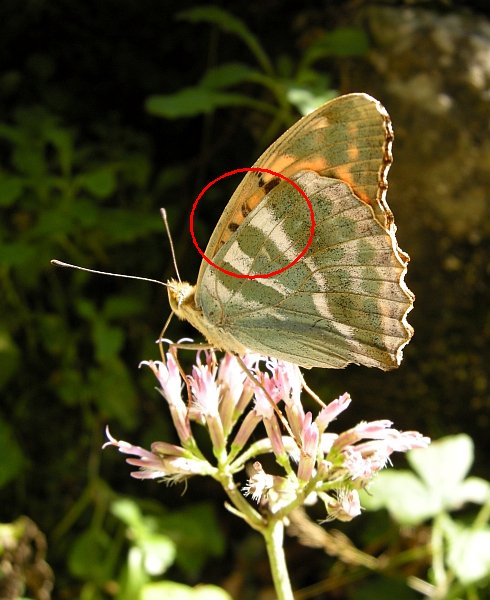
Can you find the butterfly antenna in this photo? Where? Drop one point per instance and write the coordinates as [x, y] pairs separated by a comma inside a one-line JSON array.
[[59, 263], [163, 212]]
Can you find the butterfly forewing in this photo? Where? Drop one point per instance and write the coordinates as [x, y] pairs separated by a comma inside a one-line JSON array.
[[349, 138]]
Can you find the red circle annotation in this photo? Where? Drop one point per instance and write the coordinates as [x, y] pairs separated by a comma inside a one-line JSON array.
[[253, 170]]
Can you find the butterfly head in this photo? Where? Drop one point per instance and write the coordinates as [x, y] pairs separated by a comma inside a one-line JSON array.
[[181, 296]]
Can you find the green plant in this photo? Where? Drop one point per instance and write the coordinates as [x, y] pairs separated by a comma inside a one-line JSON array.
[[129, 550], [458, 546], [282, 84], [315, 465]]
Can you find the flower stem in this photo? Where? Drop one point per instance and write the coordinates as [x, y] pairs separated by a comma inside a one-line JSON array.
[[274, 537]]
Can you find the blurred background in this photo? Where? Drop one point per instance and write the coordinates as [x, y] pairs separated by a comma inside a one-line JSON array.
[[110, 110]]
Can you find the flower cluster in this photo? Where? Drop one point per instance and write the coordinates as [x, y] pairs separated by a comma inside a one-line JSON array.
[[232, 398]]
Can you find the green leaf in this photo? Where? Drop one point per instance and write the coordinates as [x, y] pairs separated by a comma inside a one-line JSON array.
[[123, 307], [382, 589], [30, 160], [108, 340], [469, 551], [100, 182], [120, 225], [227, 75], [87, 558], [52, 223], [344, 41], [18, 255], [306, 99], [136, 169], [10, 357], [62, 140], [405, 497], [114, 392], [10, 133], [71, 387], [443, 466], [10, 189], [193, 101], [230, 24], [197, 533]]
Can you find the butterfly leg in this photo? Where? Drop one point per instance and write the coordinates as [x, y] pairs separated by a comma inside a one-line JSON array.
[[312, 394]]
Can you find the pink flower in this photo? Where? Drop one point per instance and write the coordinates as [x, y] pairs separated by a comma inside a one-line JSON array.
[[205, 391], [344, 506], [259, 484], [263, 397], [288, 381], [309, 439], [332, 411], [364, 459], [206, 399], [171, 462], [329, 466], [168, 376]]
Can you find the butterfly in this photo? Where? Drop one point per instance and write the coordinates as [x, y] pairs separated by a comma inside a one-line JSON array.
[[345, 301]]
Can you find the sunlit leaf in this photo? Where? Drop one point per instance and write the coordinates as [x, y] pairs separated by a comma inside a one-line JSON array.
[[444, 465], [193, 101], [468, 552], [405, 497]]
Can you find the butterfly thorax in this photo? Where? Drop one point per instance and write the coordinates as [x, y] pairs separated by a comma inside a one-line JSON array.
[[182, 298]]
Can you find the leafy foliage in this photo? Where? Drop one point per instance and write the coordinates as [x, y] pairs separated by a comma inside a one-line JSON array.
[[301, 86], [436, 487]]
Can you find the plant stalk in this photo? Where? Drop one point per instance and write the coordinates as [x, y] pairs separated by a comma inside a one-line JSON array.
[[274, 538]]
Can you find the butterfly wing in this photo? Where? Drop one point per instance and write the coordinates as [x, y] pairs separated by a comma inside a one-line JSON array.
[[343, 302], [348, 138]]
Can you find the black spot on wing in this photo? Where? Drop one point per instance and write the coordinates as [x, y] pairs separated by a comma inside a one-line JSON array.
[[270, 185], [245, 208]]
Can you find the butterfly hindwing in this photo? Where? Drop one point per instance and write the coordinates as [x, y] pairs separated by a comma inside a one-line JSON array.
[[341, 303]]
